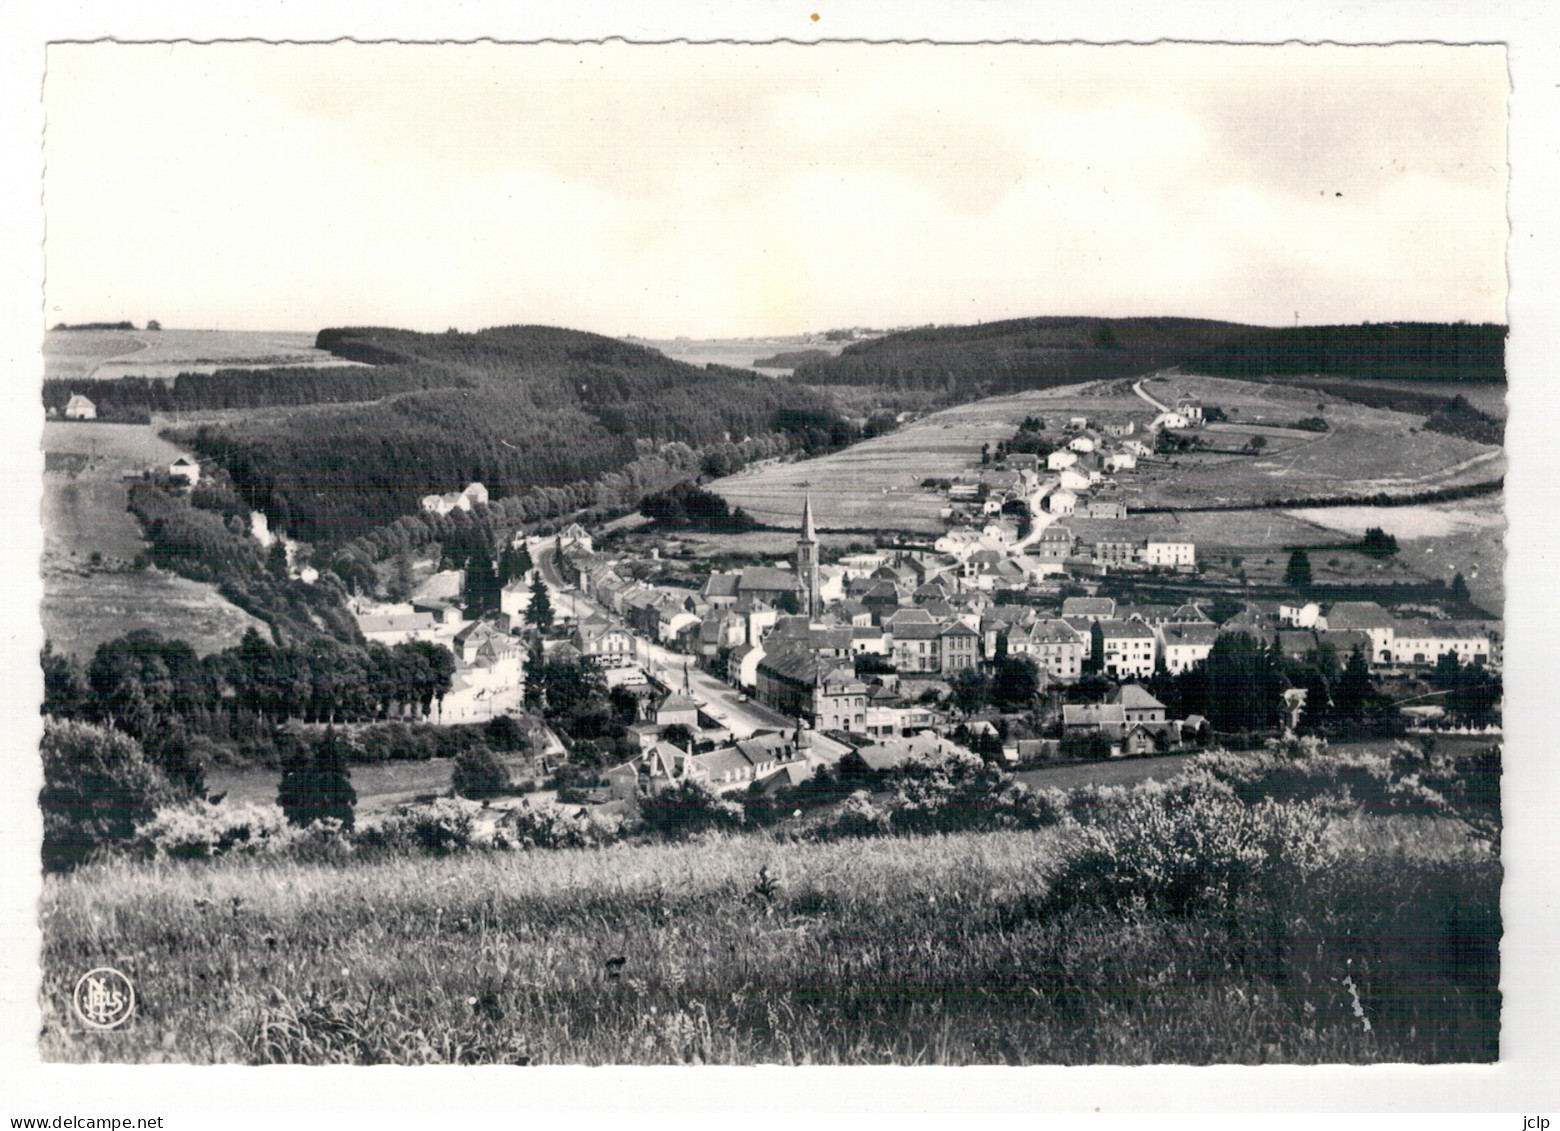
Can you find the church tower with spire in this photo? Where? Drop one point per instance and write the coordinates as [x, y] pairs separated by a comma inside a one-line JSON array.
[[807, 561]]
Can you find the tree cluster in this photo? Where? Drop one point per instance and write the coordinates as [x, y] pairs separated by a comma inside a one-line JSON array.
[[684, 504], [151, 687]]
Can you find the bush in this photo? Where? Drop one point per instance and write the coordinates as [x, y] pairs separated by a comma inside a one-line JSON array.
[[98, 785], [687, 808], [200, 829], [552, 826], [967, 799], [438, 826], [1189, 845], [858, 817], [480, 773], [1304, 770]]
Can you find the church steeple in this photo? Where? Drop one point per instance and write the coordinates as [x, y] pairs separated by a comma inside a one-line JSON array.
[[807, 559]]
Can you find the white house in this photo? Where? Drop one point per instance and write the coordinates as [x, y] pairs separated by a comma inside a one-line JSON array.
[[455, 500], [1425, 642], [1061, 501], [80, 408], [1059, 459], [1186, 645], [1176, 555], [1172, 420], [186, 469], [1120, 461], [1082, 444], [1300, 616], [1073, 480]]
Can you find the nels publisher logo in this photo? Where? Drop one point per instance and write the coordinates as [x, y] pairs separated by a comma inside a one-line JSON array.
[[104, 998]]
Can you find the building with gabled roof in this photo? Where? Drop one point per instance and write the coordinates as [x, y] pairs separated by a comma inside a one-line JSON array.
[[1138, 705], [1185, 645], [1123, 648]]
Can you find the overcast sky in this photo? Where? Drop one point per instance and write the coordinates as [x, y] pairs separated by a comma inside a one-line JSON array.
[[732, 191]]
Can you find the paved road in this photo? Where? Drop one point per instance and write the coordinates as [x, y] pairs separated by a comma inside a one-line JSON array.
[[719, 699]]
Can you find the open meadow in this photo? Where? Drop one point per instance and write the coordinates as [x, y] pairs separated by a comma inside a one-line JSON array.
[[1365, 451], [88, 600], [107, 354], [753, 949]]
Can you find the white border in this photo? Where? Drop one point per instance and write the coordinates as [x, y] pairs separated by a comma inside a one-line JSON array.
[[1522, 1081]]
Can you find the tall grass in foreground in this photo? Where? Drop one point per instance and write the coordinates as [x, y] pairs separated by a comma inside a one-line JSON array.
[[749, 949]]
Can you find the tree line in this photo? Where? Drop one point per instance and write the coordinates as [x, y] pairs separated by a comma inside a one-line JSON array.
[[247, 388], [1023, 353], [158, 691]]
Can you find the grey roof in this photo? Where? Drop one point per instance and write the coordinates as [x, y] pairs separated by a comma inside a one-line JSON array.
[[1133, 697], [768, 579], [1358, 615], [1093, 714], [1088, 607], [1125, 629]]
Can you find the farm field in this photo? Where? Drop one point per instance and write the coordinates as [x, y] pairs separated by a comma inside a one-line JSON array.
[[106, 354], [86, 603], [1487, 397], [876, 483], [82, 609], [1438, 540]]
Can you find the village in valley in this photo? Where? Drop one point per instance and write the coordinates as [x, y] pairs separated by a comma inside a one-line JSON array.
[[987, 641]]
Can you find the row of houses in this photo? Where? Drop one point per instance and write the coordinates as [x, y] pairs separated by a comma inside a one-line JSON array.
[[1393, 641]]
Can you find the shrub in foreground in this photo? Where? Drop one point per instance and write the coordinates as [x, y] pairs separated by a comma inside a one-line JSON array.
[[200, 830], [1188, 845], [553, 826], [98, 785], [687, 808], [445, 825]]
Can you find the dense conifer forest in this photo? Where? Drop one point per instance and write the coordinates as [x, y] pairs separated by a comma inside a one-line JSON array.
[[1036, 353], [516, 408]]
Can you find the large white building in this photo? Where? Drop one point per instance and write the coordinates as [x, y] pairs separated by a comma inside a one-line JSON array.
[[1174, 555]]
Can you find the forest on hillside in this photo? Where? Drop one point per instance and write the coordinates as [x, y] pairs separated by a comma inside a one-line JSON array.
[[521, 407], [247, 388], [1021, 353], [1036, 353], [1405, 351]]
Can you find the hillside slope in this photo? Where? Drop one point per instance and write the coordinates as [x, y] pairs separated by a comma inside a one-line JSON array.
[[522, 406]]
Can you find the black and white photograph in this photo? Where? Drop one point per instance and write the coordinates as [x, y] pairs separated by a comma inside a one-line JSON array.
[[737, 553]]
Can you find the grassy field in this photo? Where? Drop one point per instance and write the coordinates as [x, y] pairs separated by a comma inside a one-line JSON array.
[[876, 483], [1127, 771], [752, 949], [167, 353], [86, 603], [84, 608], [379, 786]]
